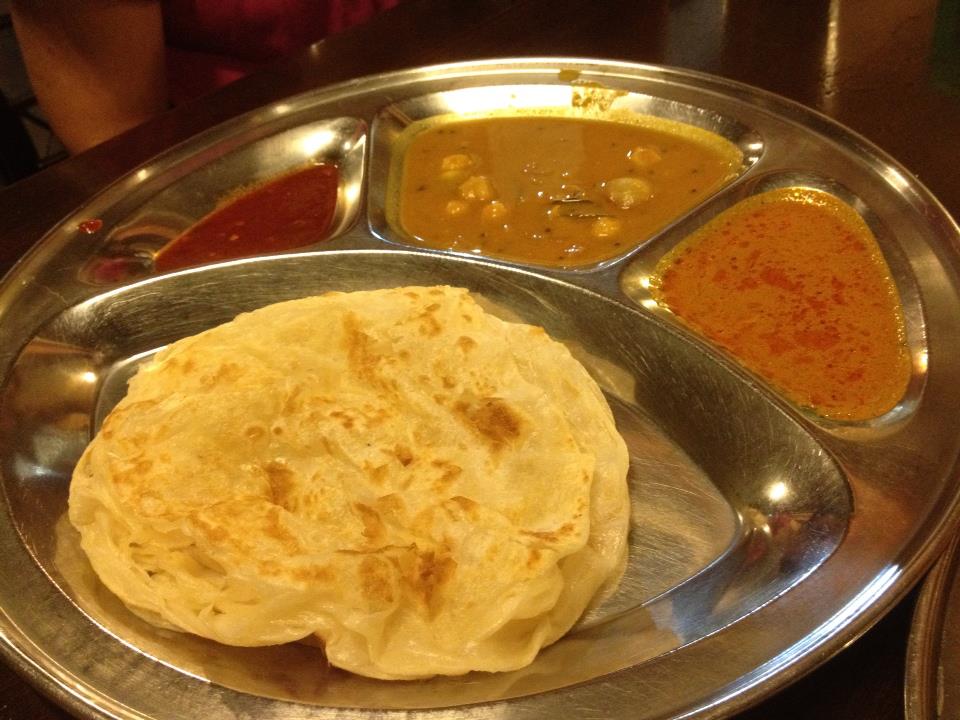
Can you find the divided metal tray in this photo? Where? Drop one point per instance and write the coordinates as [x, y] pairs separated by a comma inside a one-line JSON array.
[[764, 538]]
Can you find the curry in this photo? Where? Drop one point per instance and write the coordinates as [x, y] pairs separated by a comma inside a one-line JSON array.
[[554, 190], [793, 283]]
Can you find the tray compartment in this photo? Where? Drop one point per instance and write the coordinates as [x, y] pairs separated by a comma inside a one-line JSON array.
[[133, 231], [733, 502], [474, 102], [635, 277]]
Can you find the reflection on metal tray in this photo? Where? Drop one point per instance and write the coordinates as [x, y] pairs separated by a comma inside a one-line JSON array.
[[763, 537]]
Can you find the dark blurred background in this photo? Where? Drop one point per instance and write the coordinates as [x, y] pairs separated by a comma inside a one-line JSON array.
[[26, 143], [696, 34]]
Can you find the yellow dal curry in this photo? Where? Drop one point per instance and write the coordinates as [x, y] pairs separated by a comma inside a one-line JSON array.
[[552, 190], [793, 283]]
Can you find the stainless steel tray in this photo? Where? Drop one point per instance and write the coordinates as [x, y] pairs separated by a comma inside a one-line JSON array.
[[933, 652], [764, 538]]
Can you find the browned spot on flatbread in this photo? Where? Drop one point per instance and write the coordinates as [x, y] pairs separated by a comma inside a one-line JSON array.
[[344, 417], [551, 536], [254, 432], [362, 356], [391, 504], [373, 529], [224, 373], [314, 574], [464, 502], [293, 402], [212, 532], [533, 557], [448, 473], [462, 506], [133, 475], [429, 573], [273, 528], [429, 325], [376, 579], [375, 415], [282, 483], [376, 473], [403, 454], [269, 568], [184, 367], [491, 418], [466, 343]]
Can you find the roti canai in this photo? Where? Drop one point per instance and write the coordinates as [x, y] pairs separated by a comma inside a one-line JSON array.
[[423, 487]]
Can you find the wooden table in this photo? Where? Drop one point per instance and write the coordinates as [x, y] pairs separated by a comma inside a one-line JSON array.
[[889, 69]]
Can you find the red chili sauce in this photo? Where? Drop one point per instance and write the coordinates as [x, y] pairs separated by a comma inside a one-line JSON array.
[[288, 212], [89, 227]]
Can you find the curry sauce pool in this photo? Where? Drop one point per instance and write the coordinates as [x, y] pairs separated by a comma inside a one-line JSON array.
[[554, 190], [284, 213], [793, 283]]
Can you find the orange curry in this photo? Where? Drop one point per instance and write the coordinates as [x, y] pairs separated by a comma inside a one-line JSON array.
[[793, 283], [551, 189]]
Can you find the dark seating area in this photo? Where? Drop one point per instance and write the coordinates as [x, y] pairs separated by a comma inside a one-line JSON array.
[[26, 142]]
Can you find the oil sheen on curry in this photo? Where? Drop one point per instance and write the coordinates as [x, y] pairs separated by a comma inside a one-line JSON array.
[[793, 283], [554, 190]]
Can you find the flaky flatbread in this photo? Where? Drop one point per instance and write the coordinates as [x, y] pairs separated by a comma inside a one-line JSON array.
[[425, 488]]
